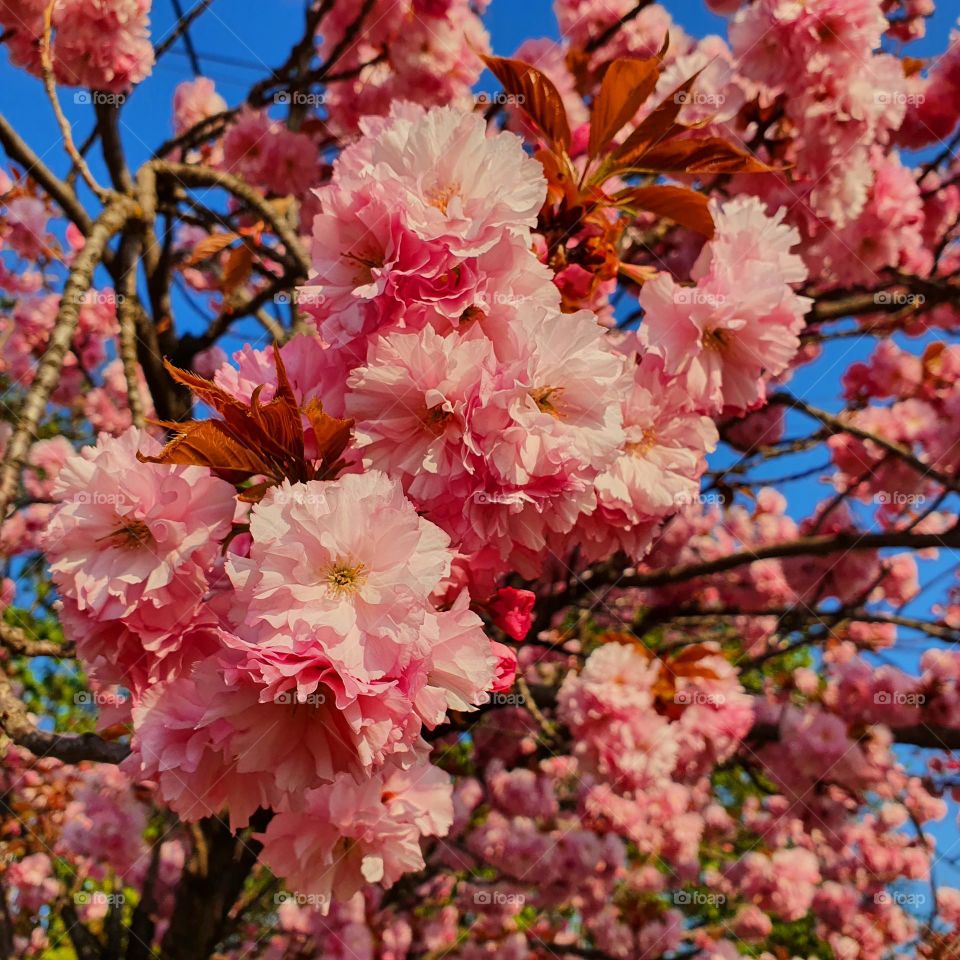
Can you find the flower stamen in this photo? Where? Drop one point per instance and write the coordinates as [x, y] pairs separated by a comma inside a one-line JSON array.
[[344, 578]]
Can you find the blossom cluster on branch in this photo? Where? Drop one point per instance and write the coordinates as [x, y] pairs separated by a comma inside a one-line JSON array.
[[486, 574]]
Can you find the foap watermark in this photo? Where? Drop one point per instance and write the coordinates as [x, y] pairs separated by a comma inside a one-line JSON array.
[[498, 898], [898, 298], [100, 698], [690, 696], [900, 898], [301, 899], [685, 499], [299, 98], [300, 297], [698, 98], [500, 99], [899, 698], [898, 98], [694, 296], [97, 898], [495, 496], [305, 699], [485, 300], [295, 495], [98, 498], [503, 699], [95, 298], [698, 898], [898, 499], [99, 98]]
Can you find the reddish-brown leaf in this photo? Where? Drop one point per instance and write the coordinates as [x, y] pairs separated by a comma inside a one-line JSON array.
[[536, 95], [255, 439], [704, 155], [210, 443], [206, 391], [210, 246], [692, 654], [687, 207], [330, 435], [236, 269], [658, 126], [626, 86]]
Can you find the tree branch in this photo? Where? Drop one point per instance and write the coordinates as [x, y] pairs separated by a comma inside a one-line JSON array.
[[68, 747], [109, 223]]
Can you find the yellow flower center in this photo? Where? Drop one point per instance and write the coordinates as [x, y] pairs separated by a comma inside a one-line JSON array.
[[645, 444], [440, 197], [343, 577], [546, 400]]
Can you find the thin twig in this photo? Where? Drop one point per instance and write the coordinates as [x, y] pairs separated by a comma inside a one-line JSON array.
[[50, 85]]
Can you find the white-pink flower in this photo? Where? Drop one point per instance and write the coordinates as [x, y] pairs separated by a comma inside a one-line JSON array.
[[349, 557], [134, 541], [351, 834], [740, 324]]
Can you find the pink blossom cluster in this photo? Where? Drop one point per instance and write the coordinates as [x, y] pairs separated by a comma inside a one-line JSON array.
[[911, 397], [297, 675], [932, 112], [849, 97], [513, 425], [739, 326], [262, 150], [101, 44], [425, 51]]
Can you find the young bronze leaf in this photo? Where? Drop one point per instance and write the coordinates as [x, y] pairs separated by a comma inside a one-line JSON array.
[[330, 436], [706, 155], [686, 207], [237, 269], [210, 443], [536, 94], [209, 247], [206, 391], [657, 126], [255, 439], [626, 86]]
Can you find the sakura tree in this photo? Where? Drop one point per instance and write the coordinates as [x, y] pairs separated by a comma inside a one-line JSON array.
[[463, 505]]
